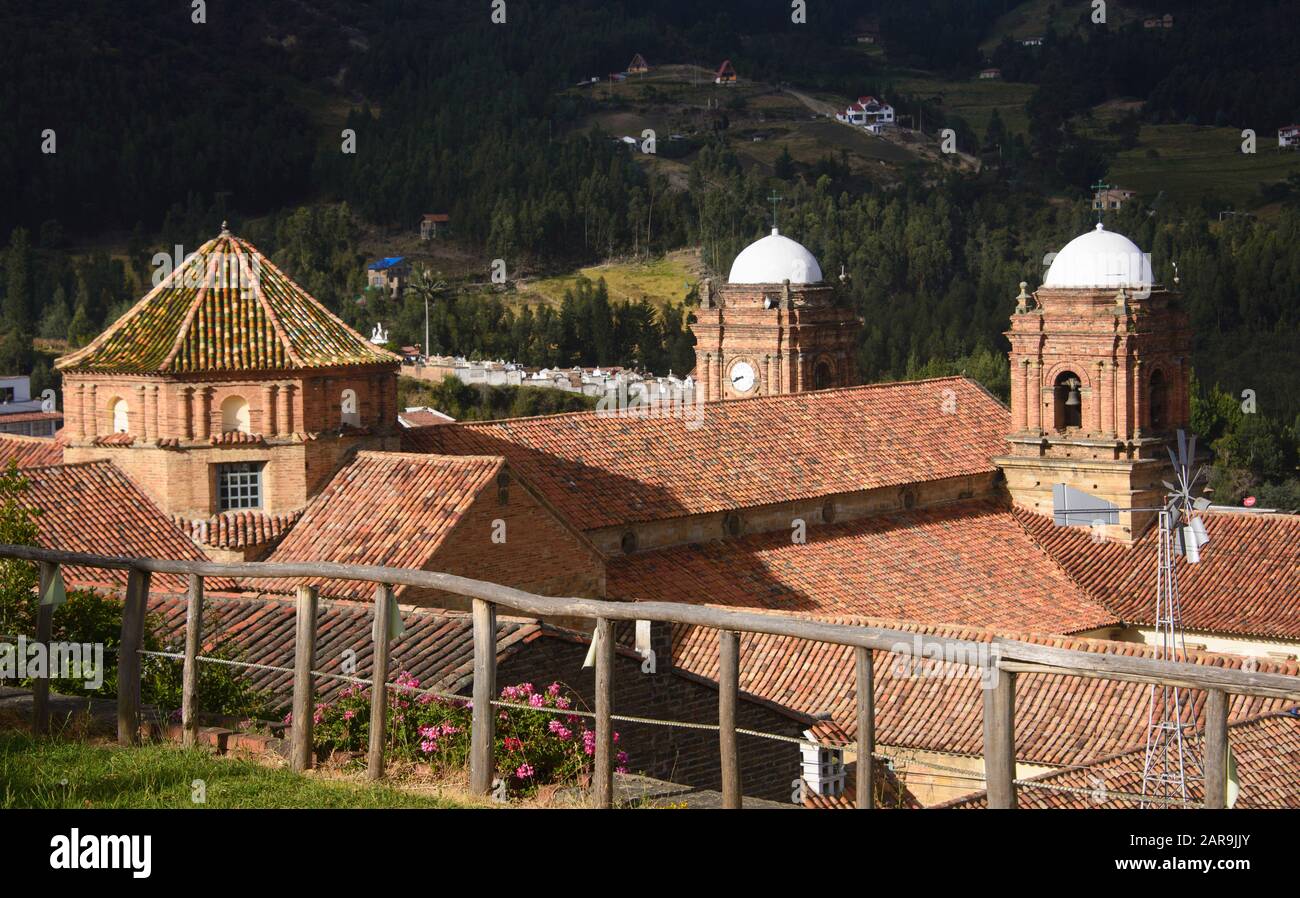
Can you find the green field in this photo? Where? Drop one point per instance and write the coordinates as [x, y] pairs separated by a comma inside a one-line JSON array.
[[663, 280], [1193, 161], [973, 100], [54, 773], [1033, 18]]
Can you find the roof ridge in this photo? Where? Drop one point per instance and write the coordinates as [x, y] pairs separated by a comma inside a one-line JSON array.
[[738, 401], [427, 457]]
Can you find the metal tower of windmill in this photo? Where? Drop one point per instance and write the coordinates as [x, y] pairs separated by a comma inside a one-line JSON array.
[[1171, 719], [1170, 762]]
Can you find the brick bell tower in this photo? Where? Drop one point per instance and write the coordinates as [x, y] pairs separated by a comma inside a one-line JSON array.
[[774, 327], [1100, 381]]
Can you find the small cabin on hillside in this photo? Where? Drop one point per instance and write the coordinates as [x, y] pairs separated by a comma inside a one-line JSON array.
[[990, 75], [1112, 199], [1288, 137], [433, 224], [726, 73]]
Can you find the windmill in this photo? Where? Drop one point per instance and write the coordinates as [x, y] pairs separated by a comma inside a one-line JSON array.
[[1171, 721]]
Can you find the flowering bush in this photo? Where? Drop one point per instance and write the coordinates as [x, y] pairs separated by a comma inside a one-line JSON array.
[[542, 743]]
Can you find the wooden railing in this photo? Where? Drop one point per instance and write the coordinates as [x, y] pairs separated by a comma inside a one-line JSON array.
[[1002, 660]]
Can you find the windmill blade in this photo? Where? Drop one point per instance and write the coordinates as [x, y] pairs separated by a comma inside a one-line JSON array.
[[1191, 449], [1182, 448], [1169, 486], [1202, 535]]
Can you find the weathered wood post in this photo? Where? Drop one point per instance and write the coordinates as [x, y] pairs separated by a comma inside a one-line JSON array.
[[728, 689], [44, 632], [603, 767], [1216, 749], [304, 685], [129, 659], [483, 725], [866, 729], [190, 672], [1000, 737], [379, 680]]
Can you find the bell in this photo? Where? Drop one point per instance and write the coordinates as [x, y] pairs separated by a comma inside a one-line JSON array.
[[1073, 397]]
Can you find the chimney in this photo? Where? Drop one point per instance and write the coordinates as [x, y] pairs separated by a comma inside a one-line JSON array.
[[822, 757]]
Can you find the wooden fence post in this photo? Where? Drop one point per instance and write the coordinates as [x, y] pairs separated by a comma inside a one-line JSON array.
[[728, 687], [190, 672], [1216, 749], [379, 678], [483, 726], [603, 766], [44, 632], [129, 659], [304, 685], [866, 730], [1000, 738]]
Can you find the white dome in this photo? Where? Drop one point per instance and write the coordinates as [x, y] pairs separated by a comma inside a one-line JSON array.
[[775, 259], [1099, 259]]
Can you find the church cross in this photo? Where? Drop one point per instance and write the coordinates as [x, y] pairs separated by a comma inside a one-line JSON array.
[[1101, 203], [774, 199]]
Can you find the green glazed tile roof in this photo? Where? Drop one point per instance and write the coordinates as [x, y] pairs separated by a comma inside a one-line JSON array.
[[225, 308]]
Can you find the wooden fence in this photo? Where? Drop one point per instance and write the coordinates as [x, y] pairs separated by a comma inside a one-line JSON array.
[[1002, 658]]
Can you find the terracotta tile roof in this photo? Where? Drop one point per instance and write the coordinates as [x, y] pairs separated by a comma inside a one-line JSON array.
[[938, 706], [437, 647], [237, 529], [225, 308], [93, 507], [21, 417], [384, 508], [1266, 749], [602, 470], [968, 562], [30, 452], [1247, 582]]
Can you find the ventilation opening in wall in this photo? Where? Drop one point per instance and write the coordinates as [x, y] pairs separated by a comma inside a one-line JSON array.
[[503, 487], [628, 542], [731, 525], [908, 498], [828, 512]]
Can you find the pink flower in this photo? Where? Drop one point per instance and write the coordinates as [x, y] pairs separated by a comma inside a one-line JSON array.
[[536, 700], [349, 714], [553, 690], [562, 703], [560, 730], [524, 771], [589, 742], [622, 759]]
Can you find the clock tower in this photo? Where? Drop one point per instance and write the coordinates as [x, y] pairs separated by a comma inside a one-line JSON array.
[[774, 327]]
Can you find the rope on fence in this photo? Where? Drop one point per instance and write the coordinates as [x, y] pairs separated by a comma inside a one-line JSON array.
[[971, 775]]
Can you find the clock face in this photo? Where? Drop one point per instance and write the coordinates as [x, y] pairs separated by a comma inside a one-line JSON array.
[[743, 379]]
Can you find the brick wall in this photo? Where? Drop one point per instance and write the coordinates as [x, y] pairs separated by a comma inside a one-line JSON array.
[[679, 755], [539, 553]]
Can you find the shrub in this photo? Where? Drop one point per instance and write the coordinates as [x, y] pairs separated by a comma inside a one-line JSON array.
[[543, 744]]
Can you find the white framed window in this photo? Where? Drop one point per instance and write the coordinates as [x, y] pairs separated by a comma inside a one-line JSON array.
[[239, 486]]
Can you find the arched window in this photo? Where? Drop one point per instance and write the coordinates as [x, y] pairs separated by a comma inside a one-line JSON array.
[[121, 419], [1159, 401], [1068, 400], [823, 375], [234, 414]]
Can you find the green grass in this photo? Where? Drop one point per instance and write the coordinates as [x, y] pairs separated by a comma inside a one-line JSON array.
[[1032, 19], [661, 280], [973, 100], [1193, 161], [56, 773]]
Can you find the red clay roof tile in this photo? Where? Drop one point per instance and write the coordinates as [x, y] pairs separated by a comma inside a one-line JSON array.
[[601, 470]]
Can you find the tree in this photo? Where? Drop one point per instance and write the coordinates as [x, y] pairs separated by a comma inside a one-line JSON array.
[[18, 277], [784, 167]]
